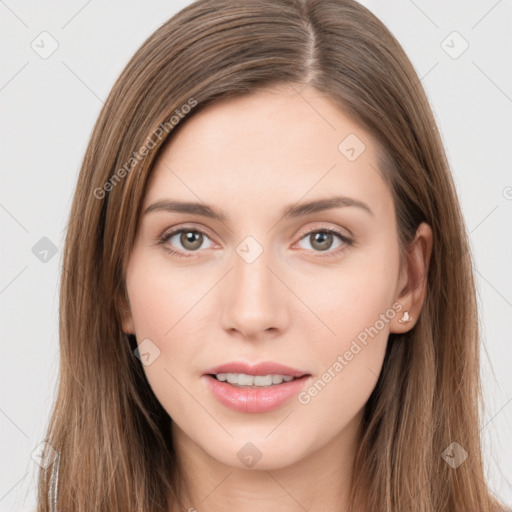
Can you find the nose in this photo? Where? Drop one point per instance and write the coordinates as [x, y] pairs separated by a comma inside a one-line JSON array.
[[254, 297]]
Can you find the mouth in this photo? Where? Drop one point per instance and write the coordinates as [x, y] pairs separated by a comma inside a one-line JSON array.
[[243, 380], [264, 374], [255, 388]]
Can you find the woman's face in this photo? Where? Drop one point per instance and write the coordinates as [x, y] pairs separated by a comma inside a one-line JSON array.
[[257, 284]]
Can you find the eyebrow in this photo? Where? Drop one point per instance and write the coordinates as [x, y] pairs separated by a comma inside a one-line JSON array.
[[291, 211]]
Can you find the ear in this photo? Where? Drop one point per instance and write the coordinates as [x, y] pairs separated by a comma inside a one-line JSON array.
[[125, 313], [412, 281]]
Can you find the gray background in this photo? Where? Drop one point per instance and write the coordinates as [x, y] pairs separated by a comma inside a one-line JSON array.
[[49, 107]]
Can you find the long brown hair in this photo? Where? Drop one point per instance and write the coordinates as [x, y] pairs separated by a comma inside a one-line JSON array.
[[110, 432]]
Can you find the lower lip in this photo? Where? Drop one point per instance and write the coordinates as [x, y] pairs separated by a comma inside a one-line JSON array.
[[254, 399]]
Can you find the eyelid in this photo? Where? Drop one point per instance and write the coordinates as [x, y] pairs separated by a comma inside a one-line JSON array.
[[183, 227], [325, 227]]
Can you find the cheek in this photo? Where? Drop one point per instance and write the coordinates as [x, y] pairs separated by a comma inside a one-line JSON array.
[[162, 307], [158, 297], [167, 307], [355, 307], [348, 361], [348, 302]]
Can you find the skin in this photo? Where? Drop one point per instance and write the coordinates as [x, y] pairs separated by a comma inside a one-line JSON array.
[[295, 304]]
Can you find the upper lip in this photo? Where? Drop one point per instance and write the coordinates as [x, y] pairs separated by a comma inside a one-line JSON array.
[[263, 368]]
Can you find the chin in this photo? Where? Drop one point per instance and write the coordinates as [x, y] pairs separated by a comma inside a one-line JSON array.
[[258, 453]]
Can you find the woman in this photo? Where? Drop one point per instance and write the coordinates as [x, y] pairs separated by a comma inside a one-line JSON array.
[[268, 299]]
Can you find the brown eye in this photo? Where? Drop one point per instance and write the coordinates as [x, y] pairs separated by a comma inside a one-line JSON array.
[[321, 240], [184, 241], [191, 240]]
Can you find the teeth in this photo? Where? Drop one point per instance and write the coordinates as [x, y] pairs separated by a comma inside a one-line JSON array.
[[242, 379]]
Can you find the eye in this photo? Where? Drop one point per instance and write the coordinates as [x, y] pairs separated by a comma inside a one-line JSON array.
[[321, 239], [191, 240]]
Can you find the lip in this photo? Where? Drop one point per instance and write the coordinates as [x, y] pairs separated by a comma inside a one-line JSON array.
[[253, 399], [263, 368]]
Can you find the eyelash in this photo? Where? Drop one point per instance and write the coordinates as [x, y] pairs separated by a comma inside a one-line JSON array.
[[322, 229]]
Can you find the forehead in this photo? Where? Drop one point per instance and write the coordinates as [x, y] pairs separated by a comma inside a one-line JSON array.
[[273, 146]]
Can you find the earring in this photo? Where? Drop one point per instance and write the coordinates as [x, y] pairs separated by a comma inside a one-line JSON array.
[[406, 318]]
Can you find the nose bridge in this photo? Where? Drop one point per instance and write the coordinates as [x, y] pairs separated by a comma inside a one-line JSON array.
[[253, 301]]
